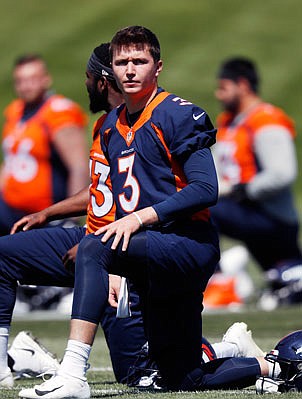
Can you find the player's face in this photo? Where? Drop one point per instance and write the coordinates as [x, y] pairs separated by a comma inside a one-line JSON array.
[[31, 81], [135, 70], [98, 100], [228, 93]]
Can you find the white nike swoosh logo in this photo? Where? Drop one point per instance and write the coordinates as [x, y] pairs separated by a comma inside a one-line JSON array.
[[196, 117]]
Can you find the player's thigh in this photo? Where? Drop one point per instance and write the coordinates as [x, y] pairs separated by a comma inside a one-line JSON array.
[[241, 221], [35, 256], [280, 245], [168, 258]]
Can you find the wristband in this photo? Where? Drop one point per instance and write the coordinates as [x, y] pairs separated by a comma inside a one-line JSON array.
[[138, 218]]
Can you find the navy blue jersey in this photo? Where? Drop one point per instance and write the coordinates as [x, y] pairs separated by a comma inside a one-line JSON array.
[[147, 160]]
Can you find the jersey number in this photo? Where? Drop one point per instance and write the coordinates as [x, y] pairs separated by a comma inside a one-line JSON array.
[[21, 164], [102, 171], [125, 165]]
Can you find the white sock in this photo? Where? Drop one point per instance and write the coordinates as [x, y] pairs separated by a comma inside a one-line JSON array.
[[225, 349], [274, 369], [4, 334], [75, 359]]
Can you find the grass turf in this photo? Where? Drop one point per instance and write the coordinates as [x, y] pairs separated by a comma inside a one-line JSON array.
[[267, 329]]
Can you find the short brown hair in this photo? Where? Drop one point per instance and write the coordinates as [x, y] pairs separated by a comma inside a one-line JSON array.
[[140, 37], [27, 58]]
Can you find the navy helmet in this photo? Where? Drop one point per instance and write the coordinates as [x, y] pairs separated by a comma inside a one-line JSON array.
[[288, 354]]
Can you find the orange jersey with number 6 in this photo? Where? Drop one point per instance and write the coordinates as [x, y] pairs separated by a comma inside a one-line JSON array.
[[33, 175]]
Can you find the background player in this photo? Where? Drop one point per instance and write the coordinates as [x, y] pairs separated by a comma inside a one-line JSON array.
[[43, 142], [256, 204]]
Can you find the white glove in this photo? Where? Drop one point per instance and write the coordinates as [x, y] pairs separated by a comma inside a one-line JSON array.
[[268, 385]]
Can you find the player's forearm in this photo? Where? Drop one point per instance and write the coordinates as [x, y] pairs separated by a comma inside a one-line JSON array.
[[200, 193], [75, 205], [147, 216]]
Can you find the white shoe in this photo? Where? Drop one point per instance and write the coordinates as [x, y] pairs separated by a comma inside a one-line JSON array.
[[6, 379], [237, 334], [58, 387], [30, 357]]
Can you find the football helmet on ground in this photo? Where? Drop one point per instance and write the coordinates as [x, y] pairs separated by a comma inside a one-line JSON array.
[[288, 354]]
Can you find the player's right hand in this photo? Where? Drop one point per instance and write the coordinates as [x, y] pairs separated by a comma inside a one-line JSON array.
[[28, 222], [114, 289], [69, 258]]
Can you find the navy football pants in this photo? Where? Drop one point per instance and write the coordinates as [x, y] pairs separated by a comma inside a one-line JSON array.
[[170, 272], [34, 257], [268, 240], [225, 373]]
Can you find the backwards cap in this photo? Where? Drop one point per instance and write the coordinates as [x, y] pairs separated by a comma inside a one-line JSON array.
[[99, 62]]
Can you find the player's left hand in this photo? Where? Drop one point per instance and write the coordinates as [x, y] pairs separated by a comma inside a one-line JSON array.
[[124, 227]]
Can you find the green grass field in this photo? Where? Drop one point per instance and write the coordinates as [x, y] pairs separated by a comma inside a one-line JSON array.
[[267, 329]]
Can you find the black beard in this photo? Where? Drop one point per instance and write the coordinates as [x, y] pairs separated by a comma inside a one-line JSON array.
[[98, 101], [232, 107]]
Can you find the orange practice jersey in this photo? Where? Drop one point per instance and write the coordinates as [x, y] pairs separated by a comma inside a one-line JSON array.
[[28, 168], [101, 209], [234, 147]]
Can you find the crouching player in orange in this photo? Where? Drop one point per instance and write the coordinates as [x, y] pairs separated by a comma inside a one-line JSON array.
[[43, 143]]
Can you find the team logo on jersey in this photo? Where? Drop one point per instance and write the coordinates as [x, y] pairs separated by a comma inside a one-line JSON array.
[[129, 136]]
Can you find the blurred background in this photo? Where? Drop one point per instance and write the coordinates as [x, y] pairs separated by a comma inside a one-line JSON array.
[[195, 36]]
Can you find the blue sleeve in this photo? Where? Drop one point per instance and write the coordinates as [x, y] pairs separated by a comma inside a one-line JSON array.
[[193, 135], [200, 193], [185, 126]]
